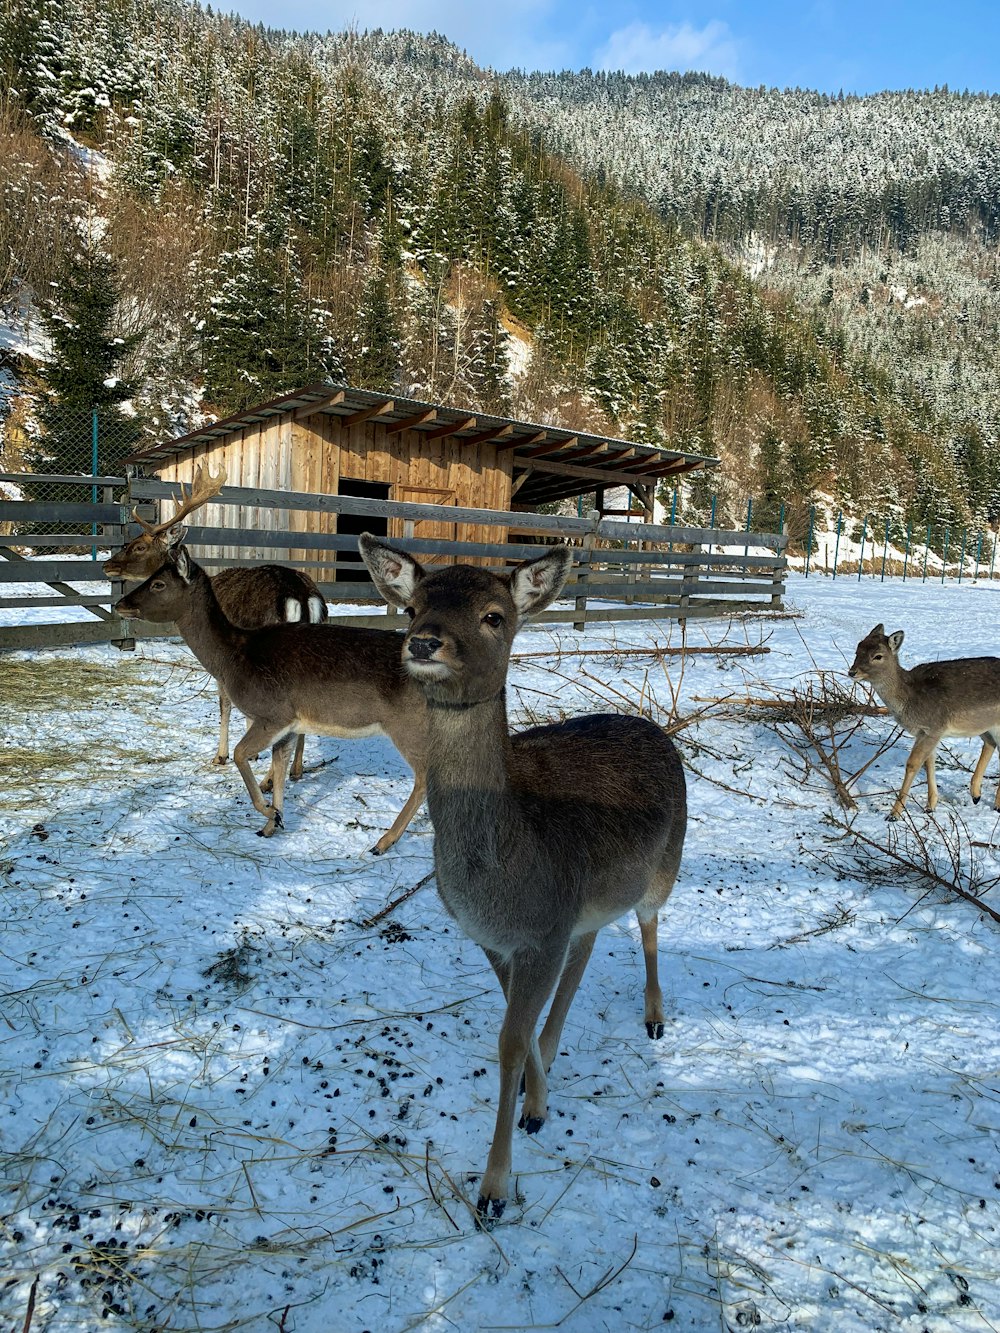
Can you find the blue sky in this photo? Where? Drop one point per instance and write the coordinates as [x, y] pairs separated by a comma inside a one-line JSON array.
[[828, 45]]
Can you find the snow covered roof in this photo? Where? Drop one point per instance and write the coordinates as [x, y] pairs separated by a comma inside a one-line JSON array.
[[550, 462]]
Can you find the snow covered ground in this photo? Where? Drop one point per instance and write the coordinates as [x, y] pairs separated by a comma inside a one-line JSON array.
[[234, 1095]]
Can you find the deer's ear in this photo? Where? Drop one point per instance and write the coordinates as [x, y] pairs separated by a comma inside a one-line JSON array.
[[184, 564], [174, 536], [538, 582], [393, 572], [895, 640], [878, 631]]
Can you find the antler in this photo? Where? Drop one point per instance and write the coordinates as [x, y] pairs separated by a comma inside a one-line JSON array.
[[202, 489]]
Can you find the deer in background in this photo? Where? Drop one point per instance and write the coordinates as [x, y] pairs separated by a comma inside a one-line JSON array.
[[541, 837], [250, 598], [327, 680], [958, 697]]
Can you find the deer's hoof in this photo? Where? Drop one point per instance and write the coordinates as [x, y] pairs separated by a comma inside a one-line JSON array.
[[531, 1124], [219, 760], [376, 850], [976, 800], [654, 1030], [488, 1211]]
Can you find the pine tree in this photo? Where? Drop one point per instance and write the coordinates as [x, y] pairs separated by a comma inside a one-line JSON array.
[[81, 381]]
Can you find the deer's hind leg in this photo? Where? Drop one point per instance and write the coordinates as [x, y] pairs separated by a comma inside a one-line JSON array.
[[985, 755]]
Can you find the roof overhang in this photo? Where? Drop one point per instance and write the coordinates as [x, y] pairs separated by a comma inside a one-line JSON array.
[[549, 462]]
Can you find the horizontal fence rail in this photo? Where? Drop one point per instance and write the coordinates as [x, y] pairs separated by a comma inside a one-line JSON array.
[[621, 571]]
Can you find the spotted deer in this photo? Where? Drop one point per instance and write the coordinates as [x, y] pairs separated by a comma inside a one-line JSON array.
[[327, 680], [250, 598], [957, 697], [540, 837]]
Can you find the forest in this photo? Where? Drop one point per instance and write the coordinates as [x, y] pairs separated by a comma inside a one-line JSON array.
[[199, 214]]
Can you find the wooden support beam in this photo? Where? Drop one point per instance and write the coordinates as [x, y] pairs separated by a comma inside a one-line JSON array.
[[451, 429], [519, 482], [520, 442], [356, 418], [331, 400], [488, 436], [410, 422], [604, 477], [549, 448]]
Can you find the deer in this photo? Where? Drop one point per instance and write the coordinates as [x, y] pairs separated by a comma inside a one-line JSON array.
[[957, 697], [287, 679], [250, 598], [541, 837]]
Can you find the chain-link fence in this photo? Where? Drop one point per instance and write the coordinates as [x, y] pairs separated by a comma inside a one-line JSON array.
[[69, 444]]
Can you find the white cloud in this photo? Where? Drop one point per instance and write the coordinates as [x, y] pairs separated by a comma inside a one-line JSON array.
[[639, 49]]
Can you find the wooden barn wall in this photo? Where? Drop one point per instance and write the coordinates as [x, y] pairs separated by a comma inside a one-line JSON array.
[[313, 455]]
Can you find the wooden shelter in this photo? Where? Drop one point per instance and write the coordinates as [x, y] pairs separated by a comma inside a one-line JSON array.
[[343, 441]]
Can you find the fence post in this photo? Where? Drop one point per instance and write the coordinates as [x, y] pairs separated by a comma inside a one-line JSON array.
[[746, 549], [993, 556], [117, 536], [836, 547], [689, 582], [864, 533], [906, 554], [961, 558], [979, 553], [711, 517], [583, 569], [777, 570], [885, 550], [809, 539], [944, 557], [927, 547]]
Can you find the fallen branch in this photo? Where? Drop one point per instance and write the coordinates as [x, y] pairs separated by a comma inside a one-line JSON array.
[[373, 920], [721, 651], [815, 705], [919, 860]]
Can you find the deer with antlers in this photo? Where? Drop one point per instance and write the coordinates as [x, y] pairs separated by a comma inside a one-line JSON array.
[[541, 837], [288, 679], [250, 598]]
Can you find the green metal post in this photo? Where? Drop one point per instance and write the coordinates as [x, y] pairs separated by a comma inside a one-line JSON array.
[[979, 555], [885, 550], [906, 554], [93, 473], [944, 557], [927, 547], [809, 539], [961, 558], [861, 558], [836, 545]]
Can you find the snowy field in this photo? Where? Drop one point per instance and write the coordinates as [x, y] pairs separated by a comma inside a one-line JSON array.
[[237, 1093]]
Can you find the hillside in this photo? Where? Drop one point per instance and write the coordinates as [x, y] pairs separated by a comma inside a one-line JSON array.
[[268, 209]]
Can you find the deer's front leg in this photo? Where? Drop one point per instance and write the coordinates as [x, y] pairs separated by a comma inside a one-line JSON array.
[[531, 978], [256, 739], [923, 749], [225, 708]]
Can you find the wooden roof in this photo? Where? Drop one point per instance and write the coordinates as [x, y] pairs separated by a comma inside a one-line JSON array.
[[549, 462]]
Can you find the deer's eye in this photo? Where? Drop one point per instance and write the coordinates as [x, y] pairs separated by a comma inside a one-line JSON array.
[[158, 585], [493, 619], [876, 657]]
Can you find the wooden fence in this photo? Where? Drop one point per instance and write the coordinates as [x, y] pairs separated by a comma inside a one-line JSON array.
[[621, 571]]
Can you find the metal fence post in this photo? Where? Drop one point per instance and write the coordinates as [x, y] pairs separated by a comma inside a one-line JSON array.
[[993, 556], [906, 554], [836, 547], [979, 553], [885, 550], [809, 538], [944, 556], [961, 558], [864, 533], [927, 547]]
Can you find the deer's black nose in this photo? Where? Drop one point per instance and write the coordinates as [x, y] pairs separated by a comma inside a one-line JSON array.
[[424, 647]]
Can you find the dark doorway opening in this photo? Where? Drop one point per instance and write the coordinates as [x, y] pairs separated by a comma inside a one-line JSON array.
[[350, 567]]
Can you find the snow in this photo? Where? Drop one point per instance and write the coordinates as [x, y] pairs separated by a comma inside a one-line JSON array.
[[287, 1141]]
